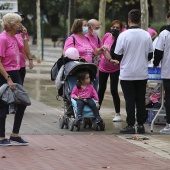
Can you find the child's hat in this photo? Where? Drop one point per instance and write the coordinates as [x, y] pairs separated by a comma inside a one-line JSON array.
[[72, 53]]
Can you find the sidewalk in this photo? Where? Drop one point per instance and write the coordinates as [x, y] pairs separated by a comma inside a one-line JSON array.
[[52, 148]]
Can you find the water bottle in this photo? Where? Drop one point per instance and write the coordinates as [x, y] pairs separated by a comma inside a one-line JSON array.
[[150, 73]]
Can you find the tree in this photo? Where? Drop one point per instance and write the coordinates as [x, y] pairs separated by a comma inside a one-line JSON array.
[[102, 11], [144, 14]]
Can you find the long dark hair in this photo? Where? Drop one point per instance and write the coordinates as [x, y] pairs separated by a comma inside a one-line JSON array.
[[80, 77]]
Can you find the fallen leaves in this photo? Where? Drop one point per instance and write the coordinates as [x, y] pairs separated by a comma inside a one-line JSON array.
[[138, 138]]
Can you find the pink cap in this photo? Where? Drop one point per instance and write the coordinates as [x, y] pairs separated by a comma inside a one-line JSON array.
[[72, 53]]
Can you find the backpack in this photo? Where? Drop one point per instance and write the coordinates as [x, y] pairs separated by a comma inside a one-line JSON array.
[[56, 67]]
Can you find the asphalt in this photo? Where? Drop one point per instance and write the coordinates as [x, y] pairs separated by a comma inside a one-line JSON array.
[[52, 148]]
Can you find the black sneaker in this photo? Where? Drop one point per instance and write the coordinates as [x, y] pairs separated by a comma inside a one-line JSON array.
[[18, 140], [128, 130], [140, 129], [5, 142]]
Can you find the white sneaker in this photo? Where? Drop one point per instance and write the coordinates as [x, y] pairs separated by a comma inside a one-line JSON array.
[[166, 129], [117, 118]]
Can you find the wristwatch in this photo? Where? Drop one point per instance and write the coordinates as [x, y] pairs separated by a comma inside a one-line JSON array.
[[8, 77]]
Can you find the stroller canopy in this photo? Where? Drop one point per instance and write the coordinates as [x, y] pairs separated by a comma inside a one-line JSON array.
[[74, 67]]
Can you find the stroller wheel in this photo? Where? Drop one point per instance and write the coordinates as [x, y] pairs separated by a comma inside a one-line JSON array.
[[102, 126], [71, 124], [95, 126], [84, 123], [89, 123], [61, 122], [77, 126], [66, 123]]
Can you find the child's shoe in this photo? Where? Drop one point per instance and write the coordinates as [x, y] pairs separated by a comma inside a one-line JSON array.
[[79, 118], [99, 120]]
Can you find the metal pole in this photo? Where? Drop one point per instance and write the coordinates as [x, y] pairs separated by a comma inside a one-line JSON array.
[[71, 13], [39, 54], [112, 10], [42, 36], [34, 23]]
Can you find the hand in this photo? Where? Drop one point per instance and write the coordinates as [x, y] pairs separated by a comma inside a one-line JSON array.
[[31, 65], [24, 31], [105, 47], [115, 62], [11, 84], [97, 105]]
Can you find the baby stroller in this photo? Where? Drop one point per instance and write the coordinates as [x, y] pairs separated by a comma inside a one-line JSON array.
[[70, 105]]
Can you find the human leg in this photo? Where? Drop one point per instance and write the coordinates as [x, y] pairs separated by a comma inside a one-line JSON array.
[[22, 73], [166, 84], [128, 88], [102, 85], [80, 106], [114, 79], [95, 110], [141, 116]]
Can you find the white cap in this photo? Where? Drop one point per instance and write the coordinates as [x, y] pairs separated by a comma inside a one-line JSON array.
[[72, 53]]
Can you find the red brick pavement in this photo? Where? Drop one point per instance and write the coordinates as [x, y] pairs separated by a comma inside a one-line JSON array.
[[79, 152]]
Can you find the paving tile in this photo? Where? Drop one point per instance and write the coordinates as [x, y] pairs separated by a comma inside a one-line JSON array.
[[67, 152]]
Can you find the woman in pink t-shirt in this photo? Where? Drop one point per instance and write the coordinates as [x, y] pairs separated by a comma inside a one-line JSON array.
[[26, 53], [9, 73], [108, 68], [79, 41]]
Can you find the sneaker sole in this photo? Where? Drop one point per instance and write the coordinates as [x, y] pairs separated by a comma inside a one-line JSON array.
[[117, 120], [128, 132], [21, 144], [5, 144]]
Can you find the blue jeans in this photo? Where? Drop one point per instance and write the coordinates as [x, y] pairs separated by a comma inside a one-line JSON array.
[[90, 103], [4, 109]]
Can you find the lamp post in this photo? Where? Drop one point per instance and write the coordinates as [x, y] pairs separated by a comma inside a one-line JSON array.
[[39, 50]]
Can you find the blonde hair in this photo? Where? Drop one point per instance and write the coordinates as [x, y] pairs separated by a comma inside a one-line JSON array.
[[9, 19]]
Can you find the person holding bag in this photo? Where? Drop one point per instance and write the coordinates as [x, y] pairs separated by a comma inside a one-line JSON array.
[[9, 73]]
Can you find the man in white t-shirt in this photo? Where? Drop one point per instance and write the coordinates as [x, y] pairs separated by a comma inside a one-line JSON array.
[[162, 53], [134, 49]]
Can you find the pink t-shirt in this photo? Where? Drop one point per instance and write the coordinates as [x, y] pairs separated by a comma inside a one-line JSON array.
[[105, 65], [124, 29], [95, 40], [83, 45], [85, 93], [22, 55], [10, 52], [151, 31]]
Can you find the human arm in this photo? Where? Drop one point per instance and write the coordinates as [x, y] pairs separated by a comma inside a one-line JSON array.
[[159, 48], [26, 47], [6, 75], [74, 93]]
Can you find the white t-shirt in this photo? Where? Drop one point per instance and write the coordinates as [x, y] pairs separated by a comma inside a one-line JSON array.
[[135, 44], [163, 44], [151, 62]]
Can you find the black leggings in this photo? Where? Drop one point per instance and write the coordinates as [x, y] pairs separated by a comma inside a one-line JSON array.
[[22, 73], [15, 76], [114, 79]]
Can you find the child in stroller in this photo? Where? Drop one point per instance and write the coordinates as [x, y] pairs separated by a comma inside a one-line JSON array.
[[85, 94]]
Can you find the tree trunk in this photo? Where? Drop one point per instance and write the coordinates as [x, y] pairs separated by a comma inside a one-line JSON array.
[[102, 9], [144, 14], [39, 50]]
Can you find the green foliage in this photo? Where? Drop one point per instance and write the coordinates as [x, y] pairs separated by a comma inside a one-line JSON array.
[[158, 25]]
